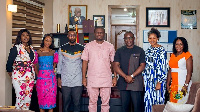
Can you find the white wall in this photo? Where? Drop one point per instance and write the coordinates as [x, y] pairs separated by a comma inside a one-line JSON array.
[[100, 7], [48, 16], [6, 44]]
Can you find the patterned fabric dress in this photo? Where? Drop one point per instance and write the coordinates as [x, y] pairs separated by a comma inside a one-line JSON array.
[[46, 85], [178, 75], [20, 63], [155, 71]]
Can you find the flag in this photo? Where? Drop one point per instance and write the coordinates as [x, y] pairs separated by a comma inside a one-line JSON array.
[[70, 12], [86, 38], [77, 37]]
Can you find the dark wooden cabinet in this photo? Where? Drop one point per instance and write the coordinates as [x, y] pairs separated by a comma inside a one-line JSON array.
[[88, 26]]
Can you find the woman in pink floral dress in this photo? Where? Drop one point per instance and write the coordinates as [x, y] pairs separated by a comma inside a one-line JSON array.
[[46, 85]]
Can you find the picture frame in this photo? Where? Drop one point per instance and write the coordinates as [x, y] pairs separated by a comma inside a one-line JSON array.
[[76, 14], [99, 20], [157, 17], [188, 19]]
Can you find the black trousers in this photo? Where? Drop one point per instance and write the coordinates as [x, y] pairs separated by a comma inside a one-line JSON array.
[[137, 100], [74, 93]]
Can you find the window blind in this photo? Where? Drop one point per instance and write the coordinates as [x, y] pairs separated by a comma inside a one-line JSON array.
[[29, 15]]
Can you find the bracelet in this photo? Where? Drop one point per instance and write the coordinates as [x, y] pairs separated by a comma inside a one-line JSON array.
[[186, 84]]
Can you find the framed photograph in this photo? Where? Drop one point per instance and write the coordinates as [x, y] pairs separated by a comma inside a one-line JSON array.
[[99, 20], [157, 17], [77, 13], [188, 19]]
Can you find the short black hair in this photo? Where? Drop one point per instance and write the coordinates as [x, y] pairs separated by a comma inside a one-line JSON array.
[[99, 28], [129, 32], [52, 44], [154, 31], [185, 44], [72, 30], [18, 39]]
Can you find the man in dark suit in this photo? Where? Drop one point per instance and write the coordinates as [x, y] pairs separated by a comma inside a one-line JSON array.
[[77, 18]]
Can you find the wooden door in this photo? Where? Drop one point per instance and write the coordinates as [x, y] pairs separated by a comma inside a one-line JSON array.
[[118, 32]]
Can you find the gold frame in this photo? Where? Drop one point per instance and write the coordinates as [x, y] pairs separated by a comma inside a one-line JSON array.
[[71, 12]]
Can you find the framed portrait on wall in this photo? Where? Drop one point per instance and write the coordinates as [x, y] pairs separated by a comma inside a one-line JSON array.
[[157, 17], [99, 20], [188, 19], [77, 13]]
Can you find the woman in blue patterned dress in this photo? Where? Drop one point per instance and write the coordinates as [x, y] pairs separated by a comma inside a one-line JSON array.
[[155, 72], [46, 85]]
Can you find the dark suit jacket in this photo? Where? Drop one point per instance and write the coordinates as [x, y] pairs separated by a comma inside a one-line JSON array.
[[72, 22]]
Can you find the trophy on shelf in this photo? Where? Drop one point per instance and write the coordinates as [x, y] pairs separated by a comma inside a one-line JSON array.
[[66, 29], [58, 28]]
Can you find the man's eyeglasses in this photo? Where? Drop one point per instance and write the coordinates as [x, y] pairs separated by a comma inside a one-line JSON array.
[[128, 38], [72, 35]]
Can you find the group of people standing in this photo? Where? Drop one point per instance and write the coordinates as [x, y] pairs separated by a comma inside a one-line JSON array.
[[91, 66], [159, 75], [22, 65]]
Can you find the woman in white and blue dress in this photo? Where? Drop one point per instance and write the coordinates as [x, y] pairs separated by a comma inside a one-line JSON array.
[[155, 73]]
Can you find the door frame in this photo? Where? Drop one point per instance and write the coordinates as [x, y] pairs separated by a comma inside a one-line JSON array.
[[110, 24]]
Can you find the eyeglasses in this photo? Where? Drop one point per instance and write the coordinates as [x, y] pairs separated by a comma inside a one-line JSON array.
[[72, 35], [128, 38], [99, 33]]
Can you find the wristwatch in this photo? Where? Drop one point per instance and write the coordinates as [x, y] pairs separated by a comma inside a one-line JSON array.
[[115, 76], [186, 85], [132, 76]]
